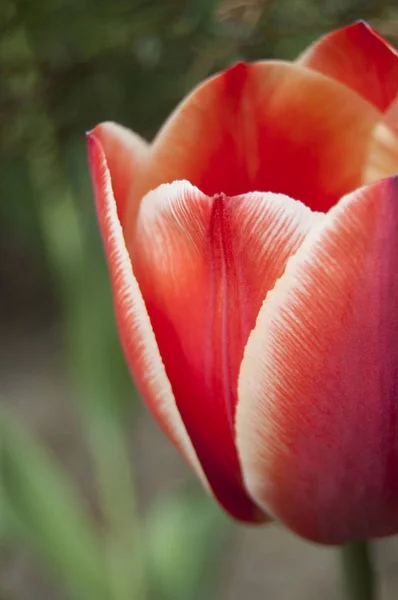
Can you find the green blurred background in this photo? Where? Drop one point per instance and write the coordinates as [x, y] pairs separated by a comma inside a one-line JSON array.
[[94, 503]]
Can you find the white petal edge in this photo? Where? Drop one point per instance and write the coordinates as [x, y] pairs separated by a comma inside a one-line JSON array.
[[133, 318]]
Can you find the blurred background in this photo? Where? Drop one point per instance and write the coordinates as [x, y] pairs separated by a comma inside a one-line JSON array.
[[94, 502]]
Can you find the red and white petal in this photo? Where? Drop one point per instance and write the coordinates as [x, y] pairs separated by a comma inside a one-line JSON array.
[[125, 153], [204, 266], [361, 59], [267, 126], [317, 415], [138, 340]]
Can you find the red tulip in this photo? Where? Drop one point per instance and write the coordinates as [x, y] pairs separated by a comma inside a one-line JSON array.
[[258, 310]]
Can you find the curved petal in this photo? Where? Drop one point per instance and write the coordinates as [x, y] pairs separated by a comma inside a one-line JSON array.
[[317, 416], [204, 266], [125, 152], [135, 329], [361, 59], [268, 126]]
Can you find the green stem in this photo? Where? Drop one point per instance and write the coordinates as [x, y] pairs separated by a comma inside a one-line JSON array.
[[359, 576]]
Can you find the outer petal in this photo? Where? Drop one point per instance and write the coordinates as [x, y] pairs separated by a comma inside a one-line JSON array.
[[269, 126], [361, 59], [125, 153], [204, 266], [317, 417], [136, 333]]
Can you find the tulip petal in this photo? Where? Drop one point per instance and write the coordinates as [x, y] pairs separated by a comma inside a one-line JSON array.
[[317, 416], [125, 152], [204, 266], [383, 151], [391, 116], [136, 333], [268, 126], [361, 59]]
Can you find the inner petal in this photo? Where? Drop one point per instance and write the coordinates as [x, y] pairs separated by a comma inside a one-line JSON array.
[[204, 266], [267, 126]]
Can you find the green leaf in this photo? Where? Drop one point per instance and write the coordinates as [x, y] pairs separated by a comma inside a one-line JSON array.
[[123, 532], [186, 535], [3, 519], [44, 511]]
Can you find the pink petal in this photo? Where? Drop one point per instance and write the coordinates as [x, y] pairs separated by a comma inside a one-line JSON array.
[[204, 266], [317, 416], [360, 58], [135, 329], [268, 126], [125, 153]]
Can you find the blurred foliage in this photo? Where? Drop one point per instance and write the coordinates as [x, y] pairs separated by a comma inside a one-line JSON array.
[[64, 66], [173, 525], [40, 504]]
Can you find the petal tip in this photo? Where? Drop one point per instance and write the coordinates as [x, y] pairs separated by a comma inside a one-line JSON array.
[[360, 26], [93, 147], [235, 77], [360, 23], [104, 130]]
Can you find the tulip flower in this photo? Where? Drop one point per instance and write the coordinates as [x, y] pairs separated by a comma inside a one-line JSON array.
[[253, 252]]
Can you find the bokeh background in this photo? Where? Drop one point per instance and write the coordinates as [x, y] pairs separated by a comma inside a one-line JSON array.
[[94, 502]]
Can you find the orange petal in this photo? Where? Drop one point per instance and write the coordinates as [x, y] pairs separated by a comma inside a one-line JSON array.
[[204, 266], [382, 159], [125, 152], [135, 329], [391, 116], [317, 416], [361, 59], [269, 126]]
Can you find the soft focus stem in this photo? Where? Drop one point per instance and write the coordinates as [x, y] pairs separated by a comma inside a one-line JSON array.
[[359, 580]]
